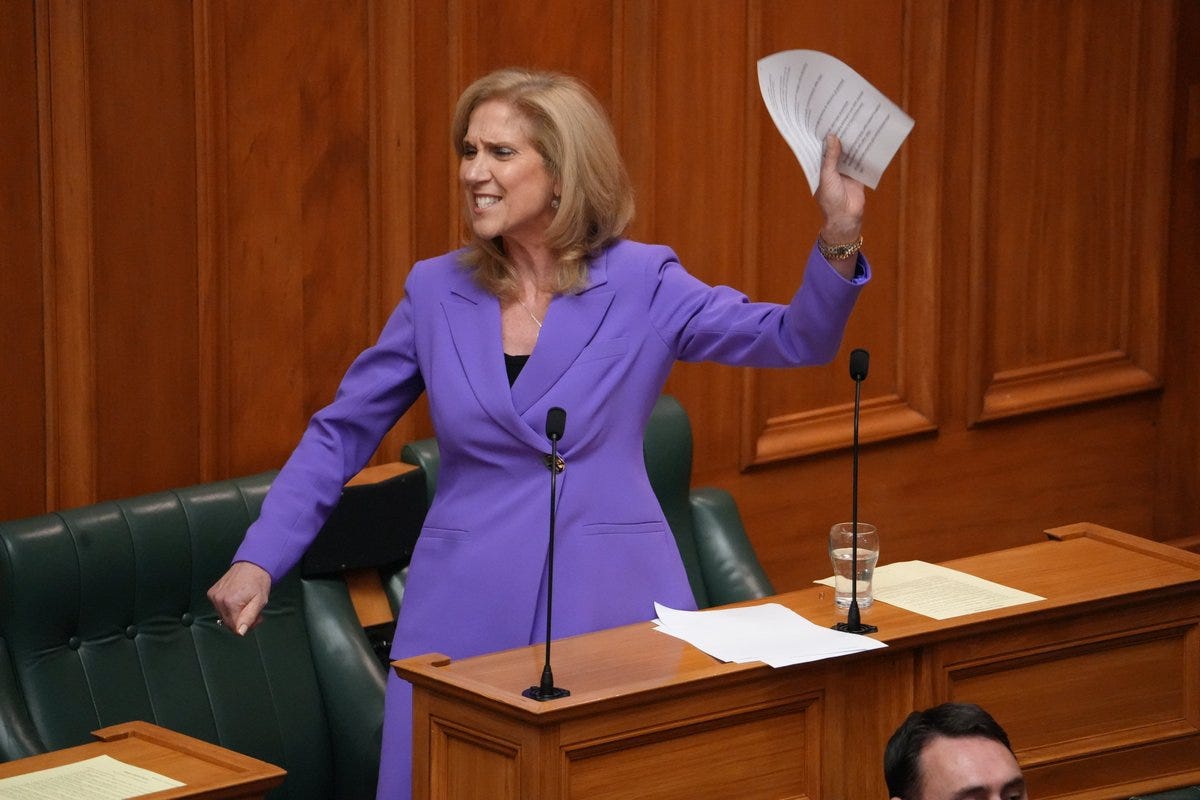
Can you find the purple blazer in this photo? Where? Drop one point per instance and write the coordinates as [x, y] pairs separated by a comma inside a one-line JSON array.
[[477, 578]]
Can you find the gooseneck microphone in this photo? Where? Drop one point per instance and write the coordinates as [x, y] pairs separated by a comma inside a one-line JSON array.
[[859, 360], [556, 422]]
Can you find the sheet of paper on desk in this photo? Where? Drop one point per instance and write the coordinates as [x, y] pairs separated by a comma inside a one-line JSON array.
[[940, 592], [769, 632], [99, 778], [809, 93]]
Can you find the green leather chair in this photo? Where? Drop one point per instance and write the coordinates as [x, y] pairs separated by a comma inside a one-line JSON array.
[[104, 619], [717, 554], [1188, 793]]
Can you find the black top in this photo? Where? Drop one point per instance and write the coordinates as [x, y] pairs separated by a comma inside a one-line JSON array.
[[513, 365]]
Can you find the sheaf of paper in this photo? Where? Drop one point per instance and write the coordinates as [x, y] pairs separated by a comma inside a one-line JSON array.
[[99, 778], [940, 592], [769, 632], [809, 94]]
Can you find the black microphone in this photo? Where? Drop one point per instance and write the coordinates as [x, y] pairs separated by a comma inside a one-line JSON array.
[[859, 360], [556, 422]]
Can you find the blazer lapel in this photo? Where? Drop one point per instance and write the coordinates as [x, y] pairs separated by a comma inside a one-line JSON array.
[[570, 324], [473, 316]]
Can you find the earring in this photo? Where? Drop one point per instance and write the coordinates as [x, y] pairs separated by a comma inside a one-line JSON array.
[[554, 203]]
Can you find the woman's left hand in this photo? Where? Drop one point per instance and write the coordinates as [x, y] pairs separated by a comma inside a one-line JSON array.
[[842, 199]]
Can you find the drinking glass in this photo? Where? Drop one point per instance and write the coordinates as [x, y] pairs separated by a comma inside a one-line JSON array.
[[844, 572]]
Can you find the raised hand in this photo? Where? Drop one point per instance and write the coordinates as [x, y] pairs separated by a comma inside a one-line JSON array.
[[842, 199]]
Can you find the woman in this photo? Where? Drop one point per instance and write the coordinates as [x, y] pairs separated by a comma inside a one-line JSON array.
[[548, 306]]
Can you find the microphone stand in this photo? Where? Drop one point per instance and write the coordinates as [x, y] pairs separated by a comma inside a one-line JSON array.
[[546, 690], [854, 623]]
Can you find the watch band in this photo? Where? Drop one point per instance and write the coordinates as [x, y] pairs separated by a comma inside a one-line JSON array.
[[837, 252]]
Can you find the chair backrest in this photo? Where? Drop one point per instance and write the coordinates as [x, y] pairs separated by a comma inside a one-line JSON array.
[[104, 618], [667, 449]]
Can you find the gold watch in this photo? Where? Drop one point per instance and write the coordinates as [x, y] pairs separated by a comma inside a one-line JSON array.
[[837, 252]]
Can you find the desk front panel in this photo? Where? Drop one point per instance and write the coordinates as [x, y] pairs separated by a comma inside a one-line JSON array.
[[1098, 685], [1097, 705]]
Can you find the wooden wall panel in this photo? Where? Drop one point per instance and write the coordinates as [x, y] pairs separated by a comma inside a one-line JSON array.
[[1177, 501], [306, 165], [66, 178], [795, 413], [266, 258], [22, 371], [212, 280], [143, 281], [432, 167], [334, 201], [699, 118], [396, 159], [635, 96], [542, 34], [298, 147], [960, 493], [964, 489], [1077, 317]]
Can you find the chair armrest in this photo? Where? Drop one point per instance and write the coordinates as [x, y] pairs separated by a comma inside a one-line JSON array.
[[18, 738], [375, 522], [352, 685], [369, 538], [425, 454], [730, 567]]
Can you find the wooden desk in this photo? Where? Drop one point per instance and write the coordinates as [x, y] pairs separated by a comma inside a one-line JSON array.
[[207, 770], [1098, 686]]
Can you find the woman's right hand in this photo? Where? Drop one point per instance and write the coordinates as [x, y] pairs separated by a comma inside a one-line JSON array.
[[842, 199], [240, 596]]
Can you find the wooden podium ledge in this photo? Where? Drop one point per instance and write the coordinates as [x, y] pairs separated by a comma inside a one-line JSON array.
[[207, 770], [1106, 567]]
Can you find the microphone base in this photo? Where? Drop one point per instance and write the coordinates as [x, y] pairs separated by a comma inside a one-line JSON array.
[[542, 695], [859, 628]]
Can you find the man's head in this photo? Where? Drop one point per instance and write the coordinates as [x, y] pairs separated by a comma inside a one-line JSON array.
[[954, 751]]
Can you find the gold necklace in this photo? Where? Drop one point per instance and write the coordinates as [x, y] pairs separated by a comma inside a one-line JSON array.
[[536, 321]]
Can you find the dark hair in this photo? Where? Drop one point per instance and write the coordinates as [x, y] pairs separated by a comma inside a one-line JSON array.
[[902, 758]]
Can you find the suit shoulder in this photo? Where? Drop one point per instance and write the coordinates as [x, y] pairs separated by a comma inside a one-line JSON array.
[[627, 251], [444, 271], [637, 263]]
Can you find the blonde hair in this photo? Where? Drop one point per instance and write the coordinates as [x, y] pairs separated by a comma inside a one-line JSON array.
[[572, 133]]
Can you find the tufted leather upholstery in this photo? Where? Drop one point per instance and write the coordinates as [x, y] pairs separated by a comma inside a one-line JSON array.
[[720, 561], [104, 619]]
